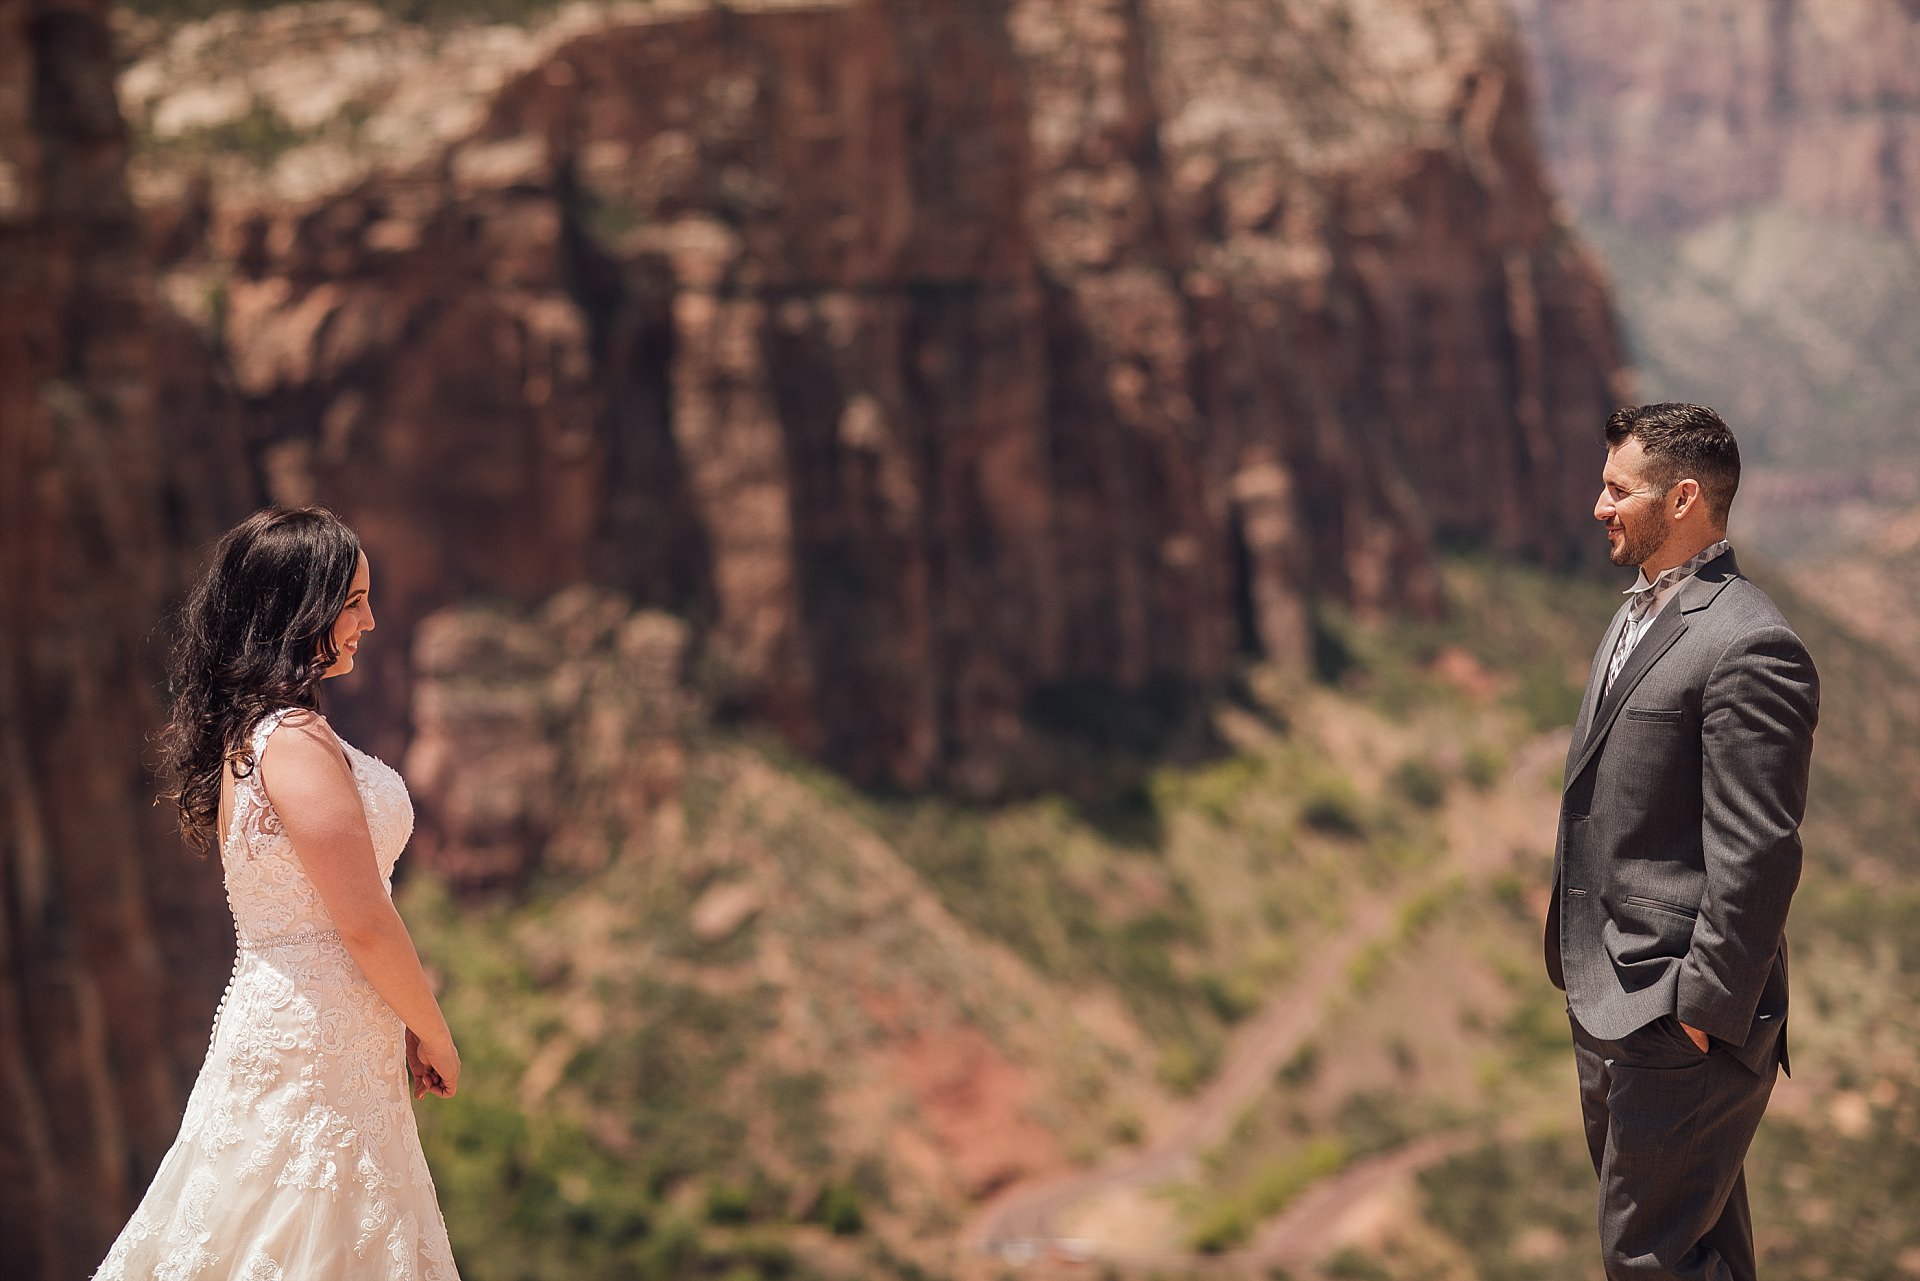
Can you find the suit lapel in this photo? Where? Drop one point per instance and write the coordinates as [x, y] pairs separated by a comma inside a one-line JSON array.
[[1669, 627], [1596, 675], [1692, 596]]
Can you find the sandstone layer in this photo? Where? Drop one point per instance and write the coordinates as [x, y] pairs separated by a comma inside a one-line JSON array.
[[931, 363], [562, 732], [109, 933], [1752, 173], [1664, 117], [935, 357]]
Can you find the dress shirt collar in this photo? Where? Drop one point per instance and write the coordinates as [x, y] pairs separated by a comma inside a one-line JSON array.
[[1663, 586]]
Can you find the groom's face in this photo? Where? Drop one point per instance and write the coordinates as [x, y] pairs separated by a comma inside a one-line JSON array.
[[1630, 506]]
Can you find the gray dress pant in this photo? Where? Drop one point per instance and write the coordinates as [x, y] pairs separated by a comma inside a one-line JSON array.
[[1668, 1129]]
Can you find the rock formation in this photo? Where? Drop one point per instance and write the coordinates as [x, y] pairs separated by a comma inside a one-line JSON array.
[[1664, 118], [933, 356], [926, 359], [109, 952], [1752, 172], [562, 732]]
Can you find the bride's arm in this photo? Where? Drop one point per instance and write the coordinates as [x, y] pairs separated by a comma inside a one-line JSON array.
[[311, 786]]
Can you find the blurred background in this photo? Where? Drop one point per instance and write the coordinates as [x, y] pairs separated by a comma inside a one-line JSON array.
[[981, 599]]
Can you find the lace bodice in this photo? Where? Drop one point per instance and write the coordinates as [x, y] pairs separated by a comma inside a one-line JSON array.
[[267, 888]]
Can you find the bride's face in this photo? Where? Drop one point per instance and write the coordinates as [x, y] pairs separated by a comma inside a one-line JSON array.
[[355, 621]]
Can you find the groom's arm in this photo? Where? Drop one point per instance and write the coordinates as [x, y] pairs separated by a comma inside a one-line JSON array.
[[1758, 714]]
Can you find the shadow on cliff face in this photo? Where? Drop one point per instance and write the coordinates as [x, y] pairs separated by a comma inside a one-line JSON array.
[[1099, 745]]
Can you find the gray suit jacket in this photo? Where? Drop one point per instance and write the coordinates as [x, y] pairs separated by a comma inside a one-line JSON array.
[[1679, 843]]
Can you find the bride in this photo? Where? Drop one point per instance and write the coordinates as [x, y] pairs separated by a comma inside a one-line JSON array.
[[298, 1159]]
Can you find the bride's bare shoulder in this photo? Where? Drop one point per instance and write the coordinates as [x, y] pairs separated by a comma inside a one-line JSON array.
[[302, 746], [304, 721]]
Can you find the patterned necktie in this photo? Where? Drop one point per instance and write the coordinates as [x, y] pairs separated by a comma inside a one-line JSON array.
[[1637, 610]]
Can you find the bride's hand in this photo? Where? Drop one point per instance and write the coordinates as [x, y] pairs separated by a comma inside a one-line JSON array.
[[415, 1068], [435, 1068]]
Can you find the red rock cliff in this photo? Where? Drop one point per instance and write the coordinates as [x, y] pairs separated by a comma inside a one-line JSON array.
[[1663, 116], [1752, 171], [928, 357], [936, 355], [109, 933]]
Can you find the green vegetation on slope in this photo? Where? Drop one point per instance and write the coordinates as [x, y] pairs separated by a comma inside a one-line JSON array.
[[533, 1188], [933, 997], [1832, 1177]]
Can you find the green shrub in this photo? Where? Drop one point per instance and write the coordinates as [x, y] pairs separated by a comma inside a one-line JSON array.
[[1227, 1223], [1369, 965], [1185, 1065], [839, 1210], [1483, 766], [1373, 1121], [1332, 809], [1126, 1128], [800, 1110], [1547, 699], [1302, 1066], [762, 1257], [1230, 1000], [1420, 782], [728, 1203], [1510, 892], [1223, 1228], [1537, 1026], [1216, 790], [1350, 1264], [1426, 907], [674, 1251], [1488, 1199], [1334, 658]]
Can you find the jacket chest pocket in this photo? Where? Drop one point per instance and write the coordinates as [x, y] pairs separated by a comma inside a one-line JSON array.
[[1650, 754]]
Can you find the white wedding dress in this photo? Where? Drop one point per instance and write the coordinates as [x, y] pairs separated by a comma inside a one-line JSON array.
[[298, 1158]]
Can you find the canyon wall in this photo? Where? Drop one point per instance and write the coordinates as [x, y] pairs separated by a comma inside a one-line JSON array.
[[932, 356], [1664, 117], [930, 360], [1752, 173], [111, 937]]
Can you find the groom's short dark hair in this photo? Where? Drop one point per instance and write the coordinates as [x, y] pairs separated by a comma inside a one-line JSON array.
[[1682, 442]]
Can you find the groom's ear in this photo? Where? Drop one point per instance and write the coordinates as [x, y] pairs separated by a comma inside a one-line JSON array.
[[1685, 493]]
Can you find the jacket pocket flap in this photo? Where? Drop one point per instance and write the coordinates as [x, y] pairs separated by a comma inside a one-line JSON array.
[[1672, 909]]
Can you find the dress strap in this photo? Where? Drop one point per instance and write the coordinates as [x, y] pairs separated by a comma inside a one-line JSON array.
[[250, 802], [257, 745], [262, 730]]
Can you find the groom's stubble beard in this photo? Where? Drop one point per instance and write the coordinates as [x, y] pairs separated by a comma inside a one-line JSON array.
[[1637, 547]]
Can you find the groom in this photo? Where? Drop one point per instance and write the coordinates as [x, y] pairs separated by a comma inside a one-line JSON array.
[[1677, 855]]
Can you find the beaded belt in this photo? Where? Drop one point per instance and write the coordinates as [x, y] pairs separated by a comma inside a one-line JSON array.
[[287, 940]]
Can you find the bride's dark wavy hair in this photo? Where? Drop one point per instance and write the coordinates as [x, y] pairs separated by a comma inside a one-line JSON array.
[[255, 635]]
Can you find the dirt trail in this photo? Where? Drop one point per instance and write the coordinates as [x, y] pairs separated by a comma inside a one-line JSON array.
[[1023, 1223], [1318, 1223], [1024, 1216]]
